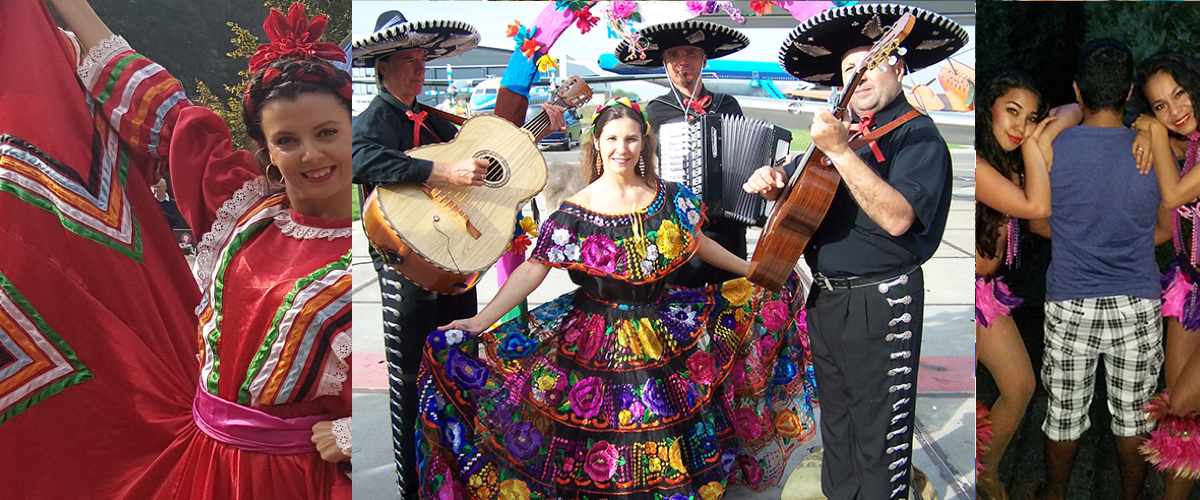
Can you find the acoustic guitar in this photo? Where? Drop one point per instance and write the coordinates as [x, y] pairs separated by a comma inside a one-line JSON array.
[[444, 237], [806, 198]]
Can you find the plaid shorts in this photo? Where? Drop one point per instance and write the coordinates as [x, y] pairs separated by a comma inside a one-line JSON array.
[[1128, 332]]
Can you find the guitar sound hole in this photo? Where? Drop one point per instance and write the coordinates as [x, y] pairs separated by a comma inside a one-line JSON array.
[[497, 172]]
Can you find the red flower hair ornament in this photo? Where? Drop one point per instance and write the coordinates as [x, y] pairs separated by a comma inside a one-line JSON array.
[[294, 37]]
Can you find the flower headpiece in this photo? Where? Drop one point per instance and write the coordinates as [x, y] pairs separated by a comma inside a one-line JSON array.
[[293, 38], [622, 101]]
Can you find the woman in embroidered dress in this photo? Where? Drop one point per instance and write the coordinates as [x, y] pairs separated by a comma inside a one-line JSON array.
[[1165, 85], [1012, 181], [272, 264], [625, 387]]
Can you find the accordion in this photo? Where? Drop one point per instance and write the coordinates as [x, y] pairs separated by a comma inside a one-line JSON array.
[[713, 155]]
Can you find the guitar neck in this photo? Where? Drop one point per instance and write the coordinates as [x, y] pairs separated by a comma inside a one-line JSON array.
[[540, 122]]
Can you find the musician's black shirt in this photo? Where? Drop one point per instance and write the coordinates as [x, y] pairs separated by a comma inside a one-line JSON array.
[[666, 109], [382, 133], [916, 163]]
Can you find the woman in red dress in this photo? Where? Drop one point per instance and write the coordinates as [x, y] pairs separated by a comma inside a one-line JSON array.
[[273, 308]]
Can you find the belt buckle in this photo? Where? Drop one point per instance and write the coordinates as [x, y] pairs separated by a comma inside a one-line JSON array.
[[825, 279]]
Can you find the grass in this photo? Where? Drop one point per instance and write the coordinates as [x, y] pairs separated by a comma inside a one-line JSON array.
[[800, 139], [357, 207]]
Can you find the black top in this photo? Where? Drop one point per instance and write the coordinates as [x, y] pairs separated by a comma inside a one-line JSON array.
[[383, 132], [916, 163], [666, 109]]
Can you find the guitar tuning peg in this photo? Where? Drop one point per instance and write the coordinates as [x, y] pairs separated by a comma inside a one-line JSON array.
[[892, 60], [902, 51], [883, 68]]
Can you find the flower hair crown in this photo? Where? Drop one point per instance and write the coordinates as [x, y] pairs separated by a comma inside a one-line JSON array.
[[295, 37], [622, 101]]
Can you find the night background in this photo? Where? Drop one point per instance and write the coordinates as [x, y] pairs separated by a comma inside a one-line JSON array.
[[1043, 39]]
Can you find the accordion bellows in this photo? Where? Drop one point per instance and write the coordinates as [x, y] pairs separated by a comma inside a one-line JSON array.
[[713, 156]]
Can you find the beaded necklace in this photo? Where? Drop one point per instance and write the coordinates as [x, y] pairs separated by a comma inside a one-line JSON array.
[[1190, 160]]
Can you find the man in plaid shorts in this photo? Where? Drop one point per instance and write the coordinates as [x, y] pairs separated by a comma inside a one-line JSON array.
[[1102, 290]]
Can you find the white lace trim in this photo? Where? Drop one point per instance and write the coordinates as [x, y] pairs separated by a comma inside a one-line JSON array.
[[293, 229], [209, 249], [98, 56], [343, 433], [336, 371]]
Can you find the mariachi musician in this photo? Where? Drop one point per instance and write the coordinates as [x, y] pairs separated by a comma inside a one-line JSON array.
[[684, 48], [886, 219], [394, 123]]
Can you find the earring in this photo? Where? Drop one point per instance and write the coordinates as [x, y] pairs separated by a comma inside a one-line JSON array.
[[641, 168], [268, 174], [599, 165]]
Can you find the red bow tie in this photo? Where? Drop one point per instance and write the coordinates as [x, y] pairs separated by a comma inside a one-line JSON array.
[[418, 122], [698, 105], [863, 127]]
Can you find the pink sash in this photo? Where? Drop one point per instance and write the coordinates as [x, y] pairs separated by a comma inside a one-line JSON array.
[[249, 429]]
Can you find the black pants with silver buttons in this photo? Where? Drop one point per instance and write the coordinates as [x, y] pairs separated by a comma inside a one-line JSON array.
[[866, 345], [410, 313]]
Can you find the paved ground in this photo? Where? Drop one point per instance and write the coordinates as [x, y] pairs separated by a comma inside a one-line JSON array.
[[944, 442]]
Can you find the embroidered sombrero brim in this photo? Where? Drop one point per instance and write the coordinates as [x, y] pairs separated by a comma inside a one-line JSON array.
[[716, 41], [439, 39], [813, 51]]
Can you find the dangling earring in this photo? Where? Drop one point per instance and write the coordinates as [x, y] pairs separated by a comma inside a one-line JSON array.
[[599, 164], [268, 174], [641, 166]]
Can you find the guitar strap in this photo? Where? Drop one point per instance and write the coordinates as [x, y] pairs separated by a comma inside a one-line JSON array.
[[450, 117], [871, 136]]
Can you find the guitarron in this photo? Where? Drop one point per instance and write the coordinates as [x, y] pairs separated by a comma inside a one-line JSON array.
[[444, 237], [806, 198]]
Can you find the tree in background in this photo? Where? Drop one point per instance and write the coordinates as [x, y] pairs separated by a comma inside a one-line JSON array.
[[1039, 38], [245, 43], [1147, 27], [633, 96]]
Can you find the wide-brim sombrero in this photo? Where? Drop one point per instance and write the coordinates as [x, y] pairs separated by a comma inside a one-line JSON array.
[[439, 38], [716, 41], [813, 51]]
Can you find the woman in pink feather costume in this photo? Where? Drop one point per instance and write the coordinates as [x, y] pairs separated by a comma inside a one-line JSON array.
[[1012, 181]]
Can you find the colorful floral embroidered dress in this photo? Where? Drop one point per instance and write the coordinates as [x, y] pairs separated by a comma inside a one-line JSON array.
[[625, 387], [274, 318]]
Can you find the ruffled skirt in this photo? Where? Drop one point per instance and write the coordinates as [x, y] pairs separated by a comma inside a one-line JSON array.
[[1181, 296], [682, 396], [992, 299]]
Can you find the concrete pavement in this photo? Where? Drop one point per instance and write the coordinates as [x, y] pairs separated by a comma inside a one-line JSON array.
[[944, 443]]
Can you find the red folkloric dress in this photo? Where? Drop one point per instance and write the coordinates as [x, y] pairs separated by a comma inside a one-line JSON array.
[[101, 393]]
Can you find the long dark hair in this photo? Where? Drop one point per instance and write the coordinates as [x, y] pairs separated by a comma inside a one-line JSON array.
[[987, 219], [288, 79], [1183, 68], [589, 156]]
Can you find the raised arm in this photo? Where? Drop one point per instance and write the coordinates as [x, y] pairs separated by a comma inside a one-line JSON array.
[[1002, 194], [79, 17], [519, 285], [713, 253], [1067, 116], [882, 202], [1175, 190]]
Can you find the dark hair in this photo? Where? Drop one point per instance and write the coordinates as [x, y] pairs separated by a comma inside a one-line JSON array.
[[1104, 74], [295, 77], [589, 155], [987, 219], [1183, 68]]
